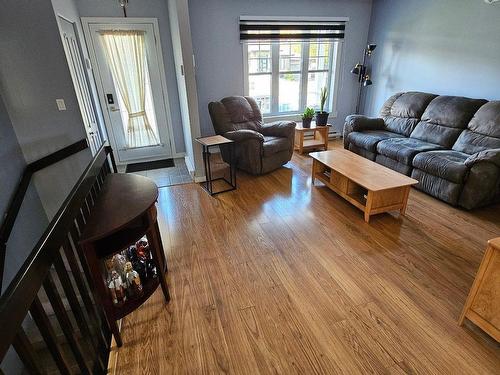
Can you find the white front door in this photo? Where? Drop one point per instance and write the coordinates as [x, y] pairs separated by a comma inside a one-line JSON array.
[[130, 85], [81, 84]]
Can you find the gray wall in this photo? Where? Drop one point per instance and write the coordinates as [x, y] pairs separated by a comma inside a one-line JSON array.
[[219, 54], [33, 73], [67, 9], [447, 47], [31, 221], [154, 9]]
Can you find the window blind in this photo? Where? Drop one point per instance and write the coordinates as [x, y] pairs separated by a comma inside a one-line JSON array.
[[265, 28]]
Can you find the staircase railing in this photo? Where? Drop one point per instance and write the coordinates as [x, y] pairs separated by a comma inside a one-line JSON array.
[[15, 204], [56, 268]]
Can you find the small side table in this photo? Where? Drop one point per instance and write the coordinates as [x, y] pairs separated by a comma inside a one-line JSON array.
[[125, 211], [483, 303], [217, 140], [320, 140]]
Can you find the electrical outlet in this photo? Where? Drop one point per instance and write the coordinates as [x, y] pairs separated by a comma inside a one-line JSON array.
[[60, 104]]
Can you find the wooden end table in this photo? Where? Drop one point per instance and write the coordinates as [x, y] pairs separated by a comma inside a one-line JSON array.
[[369, 186], [319, 141], [483, 303]]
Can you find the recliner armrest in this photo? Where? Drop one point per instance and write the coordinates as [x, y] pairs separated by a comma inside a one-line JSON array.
[[492, 156], [285, 129], [243, 135], [355, 123]]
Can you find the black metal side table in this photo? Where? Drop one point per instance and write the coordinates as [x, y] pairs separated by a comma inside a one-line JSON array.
[[212, 141]]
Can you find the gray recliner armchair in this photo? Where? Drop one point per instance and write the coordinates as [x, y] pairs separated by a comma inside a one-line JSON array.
[[260, 148]]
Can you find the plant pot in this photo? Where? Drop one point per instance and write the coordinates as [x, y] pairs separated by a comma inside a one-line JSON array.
[[321, 118], [306, 122]]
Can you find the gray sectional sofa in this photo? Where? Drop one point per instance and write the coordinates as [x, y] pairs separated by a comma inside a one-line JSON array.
[[450, 144]]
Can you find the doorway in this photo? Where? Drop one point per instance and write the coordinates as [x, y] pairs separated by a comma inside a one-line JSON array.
[[80, 82], [128, 64]]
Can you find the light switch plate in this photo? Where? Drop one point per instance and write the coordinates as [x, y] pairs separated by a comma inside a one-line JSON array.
[[60, 104]]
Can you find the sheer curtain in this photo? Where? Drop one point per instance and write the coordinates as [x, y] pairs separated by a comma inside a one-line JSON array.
[[125, 52]]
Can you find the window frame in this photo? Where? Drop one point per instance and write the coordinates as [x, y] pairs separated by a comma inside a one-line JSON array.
[[335, 57]]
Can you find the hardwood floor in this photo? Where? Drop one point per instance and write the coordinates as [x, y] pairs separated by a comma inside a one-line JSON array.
[[279, 277]]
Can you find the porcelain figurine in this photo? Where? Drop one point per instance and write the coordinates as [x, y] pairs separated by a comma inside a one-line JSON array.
[[116, 288], [132, 279]]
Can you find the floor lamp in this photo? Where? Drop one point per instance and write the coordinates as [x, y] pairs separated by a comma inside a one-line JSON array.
[[360, 70]]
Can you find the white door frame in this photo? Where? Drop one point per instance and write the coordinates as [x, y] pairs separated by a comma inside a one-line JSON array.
[[86, 22]]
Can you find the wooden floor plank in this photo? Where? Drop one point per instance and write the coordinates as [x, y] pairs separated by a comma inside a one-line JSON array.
[[281, 277]]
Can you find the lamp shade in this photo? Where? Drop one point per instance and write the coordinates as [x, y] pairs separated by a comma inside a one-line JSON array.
[[367, 81], [356, 69], [371, 47]]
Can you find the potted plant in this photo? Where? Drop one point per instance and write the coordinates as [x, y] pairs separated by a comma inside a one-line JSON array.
[[322, 115], [307, 117]]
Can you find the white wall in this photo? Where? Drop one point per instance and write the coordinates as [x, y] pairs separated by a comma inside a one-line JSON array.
[[154, 9], [185, 72], [449, 47], [219, 54]]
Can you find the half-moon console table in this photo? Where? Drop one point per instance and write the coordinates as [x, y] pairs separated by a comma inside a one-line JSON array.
[[124, 213]]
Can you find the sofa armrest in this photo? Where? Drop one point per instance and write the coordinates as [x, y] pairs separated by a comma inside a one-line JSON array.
[[285, 129], [492, 156], [244, 135], [355, 123]]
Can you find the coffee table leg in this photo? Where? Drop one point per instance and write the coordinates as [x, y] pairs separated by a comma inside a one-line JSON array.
[[313, 172], [405, 200], [368, 207]]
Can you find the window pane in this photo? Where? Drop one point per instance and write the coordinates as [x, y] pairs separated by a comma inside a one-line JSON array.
[[290, 57], [319, 56], [289, 97], [259, 65], [259, 58], [315, 82], [259, 88]]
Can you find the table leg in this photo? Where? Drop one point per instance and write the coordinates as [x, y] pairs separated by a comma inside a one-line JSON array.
[[154, 237], [368, 207], [232, 165], [313, 172], [301, 142], [325, 137], [405, 200]]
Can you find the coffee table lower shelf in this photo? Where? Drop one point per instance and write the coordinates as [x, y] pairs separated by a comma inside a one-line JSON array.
[[369, 201]]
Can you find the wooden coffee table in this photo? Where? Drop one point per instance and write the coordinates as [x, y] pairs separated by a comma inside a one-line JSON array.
[[319, 140], [367, 185]]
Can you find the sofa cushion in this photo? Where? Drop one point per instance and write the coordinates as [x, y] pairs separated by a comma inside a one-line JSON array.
[[437, 187], [404, 149], [272, 145], [368, 139], [402, 111], [446, 164], [361, 151], [445, 118], [483, 131], [411, 104], [394, 164]]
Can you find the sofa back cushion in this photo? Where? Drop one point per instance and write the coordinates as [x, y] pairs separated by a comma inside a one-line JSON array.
[[235, 113], [483, 131], [445, 118], [402, 111]]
